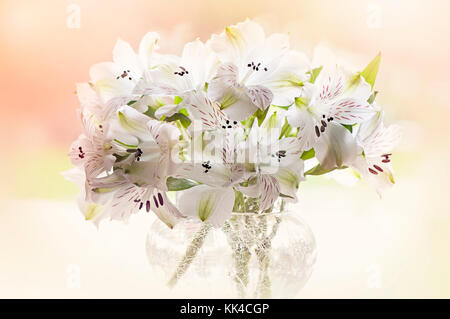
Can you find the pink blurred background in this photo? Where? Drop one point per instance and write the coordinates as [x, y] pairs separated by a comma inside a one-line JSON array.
[[404, 236]]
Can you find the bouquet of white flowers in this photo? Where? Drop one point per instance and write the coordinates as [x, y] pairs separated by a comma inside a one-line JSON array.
[[225, 127]]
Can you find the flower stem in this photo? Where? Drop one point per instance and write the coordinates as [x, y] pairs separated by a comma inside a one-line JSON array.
[[191, 252], [241, 257], [264, 288]]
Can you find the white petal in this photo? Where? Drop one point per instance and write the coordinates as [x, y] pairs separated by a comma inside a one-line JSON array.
[[147, 47], [336, 147], [270, 190], [167, 212], [289, 178], [226, 75], [260, 96], [202, 108], [287, 80], [200, 61], [238, 105], [351, 111], [133, 121], [213, 205], [113, 104], [89, 98], [217, 175], [125, 58], [167, 110], [302, 119], [329, 85], [103, 76], [236, 41], [376, 139]]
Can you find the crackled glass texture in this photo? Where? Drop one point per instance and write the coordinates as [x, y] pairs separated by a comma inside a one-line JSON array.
[[254, 255]]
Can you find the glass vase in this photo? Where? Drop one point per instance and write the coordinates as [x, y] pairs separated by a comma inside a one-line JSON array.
[[267, 254]]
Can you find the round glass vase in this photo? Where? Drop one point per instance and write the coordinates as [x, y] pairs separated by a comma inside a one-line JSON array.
[[254, 255]]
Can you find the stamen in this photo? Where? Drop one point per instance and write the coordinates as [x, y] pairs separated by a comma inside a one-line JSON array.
[[378, 168], [317, 131], [156, 202], [182, 72], [147, 206], [322, 129], [160, 198], [373, 171], [323, 123], [141, 204], [207, 166], [81, 154]]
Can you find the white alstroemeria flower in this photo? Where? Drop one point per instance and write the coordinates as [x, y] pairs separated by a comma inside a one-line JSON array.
[[256, 70], [116, 81], [276, 165], [181, 76], [377, 142], [144, 147], [93, 150], [147, 147], [213, 201], [335, 96], [124, 198], [217, 135]]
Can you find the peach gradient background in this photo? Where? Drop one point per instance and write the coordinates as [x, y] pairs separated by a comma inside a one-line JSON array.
[[402, 239]]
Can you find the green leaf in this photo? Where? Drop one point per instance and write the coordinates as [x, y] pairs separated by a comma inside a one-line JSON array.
[[248, 123], [306, 155], [319, 170], [286, 107], [178, 100], [261, 115], [370, 72], [179, 184], [372, 97], [238, 201], [286, 196], [285, 130], [131, 102], [119, 157], [314, 74], [185, 121], [183, 111], [348, 127], [150, 112]]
